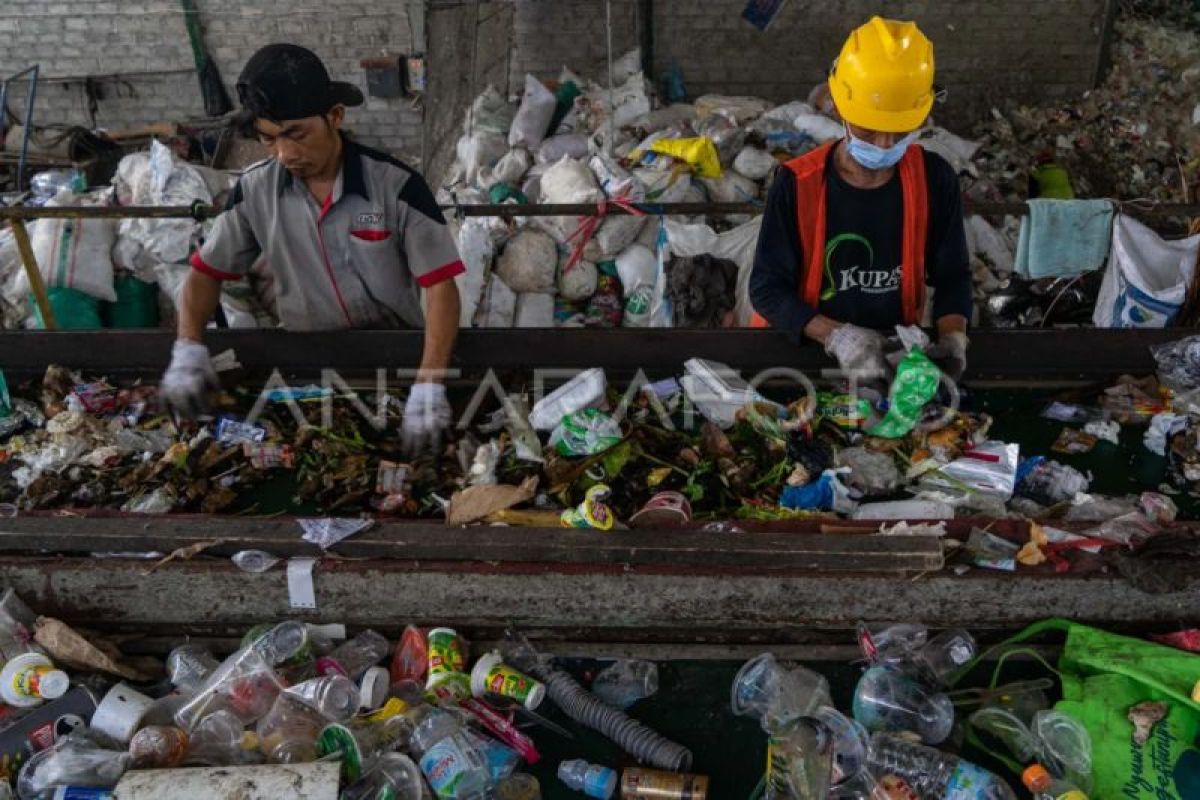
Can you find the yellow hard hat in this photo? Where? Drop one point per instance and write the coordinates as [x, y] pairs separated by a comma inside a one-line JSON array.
[[883, 79]]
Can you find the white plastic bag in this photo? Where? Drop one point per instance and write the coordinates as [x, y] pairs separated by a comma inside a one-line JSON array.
[[1147, 277], [985, 241], [477, 240], [158, 178], [627, 65], [532, 122], [638, 269], [567, 145], [511, 168], [498, 306], [617, 231], [629, 101], [570, 181], [529, 263], [490, 113], [820, 127], [731, 188], [479, 150], [535, 310], [74, 253], [578, 283], [955, 149], [737, 245], [742, 109]]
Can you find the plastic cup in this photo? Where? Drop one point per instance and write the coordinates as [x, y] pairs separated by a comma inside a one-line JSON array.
[[886, 700], [776, 695], [492, 676], [30, 679], [944, 656], [445, 654]]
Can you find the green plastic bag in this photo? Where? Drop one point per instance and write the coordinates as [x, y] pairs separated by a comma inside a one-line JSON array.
[[1103, 676], [916, 383], [73, 310], [136, 306]]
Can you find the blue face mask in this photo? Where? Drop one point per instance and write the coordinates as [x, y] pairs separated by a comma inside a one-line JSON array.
[[870, 156]]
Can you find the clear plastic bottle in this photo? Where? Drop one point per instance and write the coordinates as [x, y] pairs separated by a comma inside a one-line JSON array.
[[1047, 787], [394, 777], [335, 697], [888, 700], [624, 683], [933, 774], [76, 760], [188, 665], [282, 643], [355, 656], [452, 765], [158, 746], [221, 740], [591, 779]]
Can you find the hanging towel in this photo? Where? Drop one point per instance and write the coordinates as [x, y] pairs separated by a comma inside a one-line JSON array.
[[1064, 237]]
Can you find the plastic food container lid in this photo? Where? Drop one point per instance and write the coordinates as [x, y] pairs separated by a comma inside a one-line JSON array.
[[373, 689]]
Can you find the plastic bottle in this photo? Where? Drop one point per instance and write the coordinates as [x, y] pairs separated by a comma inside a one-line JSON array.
[[933, 774], [592, 780], [188, 665], [394, 777], [221, 740], [624, 683], [1046, 787], [75, 760], [335, 697], [355, 656], [887, 700], [158, 746], [281, 643], [411, 658], [452, 765], [288, 733], [799, 761]]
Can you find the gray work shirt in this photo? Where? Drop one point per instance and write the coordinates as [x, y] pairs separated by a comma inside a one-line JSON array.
[[359, 261]]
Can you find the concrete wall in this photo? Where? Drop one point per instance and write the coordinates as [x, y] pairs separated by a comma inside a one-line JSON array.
[[988, 51], [147, 43]]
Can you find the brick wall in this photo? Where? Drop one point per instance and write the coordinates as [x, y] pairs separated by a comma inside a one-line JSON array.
[[146, 41], [988, 52]]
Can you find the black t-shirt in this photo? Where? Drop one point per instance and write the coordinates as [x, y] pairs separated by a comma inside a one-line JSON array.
[[863, 252]]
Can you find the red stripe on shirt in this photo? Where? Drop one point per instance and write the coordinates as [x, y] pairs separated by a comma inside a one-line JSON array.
[[337, 292], [211, 271], [441, 274]]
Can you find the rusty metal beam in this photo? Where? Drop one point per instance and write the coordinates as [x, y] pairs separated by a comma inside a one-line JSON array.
[[1051, 354]]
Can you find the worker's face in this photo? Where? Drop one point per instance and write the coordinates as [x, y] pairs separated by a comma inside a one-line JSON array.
[[878, 138], [304, 147]]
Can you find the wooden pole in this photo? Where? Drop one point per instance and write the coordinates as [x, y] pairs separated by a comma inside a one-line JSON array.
[[21, 234]]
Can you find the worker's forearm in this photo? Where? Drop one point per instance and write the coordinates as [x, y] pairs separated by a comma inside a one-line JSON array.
[[441, 331], [951, 323], [197, 303]]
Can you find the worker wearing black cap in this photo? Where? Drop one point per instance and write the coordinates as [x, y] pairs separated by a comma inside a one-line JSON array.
[[350, 236]]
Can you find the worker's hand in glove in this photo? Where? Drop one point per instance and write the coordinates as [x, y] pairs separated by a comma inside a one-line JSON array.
[[188, 380], [426, 416], [858, 351], [950, 354]]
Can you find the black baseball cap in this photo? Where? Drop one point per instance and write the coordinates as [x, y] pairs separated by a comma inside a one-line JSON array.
[[285, 81]]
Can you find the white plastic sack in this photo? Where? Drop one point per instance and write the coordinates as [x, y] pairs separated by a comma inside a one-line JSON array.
[[665, 186], [742, 109], [578, 283], [529, 263], [629, 101], [617, 231], [477, 247], [498, 306], [731, 188], [668, 117], [532, 122], [1147, 277], [787, 112], [627, 65], [988, 243], [755, 163], [556, 148], [490, 113], [479, 150], [570, 181], [638, 269], [535, 310], [157, 178], [737, 245], [74, 253], [511, 168], [820, 127]]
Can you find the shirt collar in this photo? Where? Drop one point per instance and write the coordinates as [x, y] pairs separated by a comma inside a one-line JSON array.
[[350, 178]]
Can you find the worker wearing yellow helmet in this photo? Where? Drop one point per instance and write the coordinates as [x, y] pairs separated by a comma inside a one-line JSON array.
[[858, 230]]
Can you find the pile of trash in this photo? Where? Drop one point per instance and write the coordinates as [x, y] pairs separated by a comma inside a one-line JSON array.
[[405, 721], [1133, 138], [700, 448]]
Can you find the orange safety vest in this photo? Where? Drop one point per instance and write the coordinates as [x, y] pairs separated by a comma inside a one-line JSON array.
[[809, 170]]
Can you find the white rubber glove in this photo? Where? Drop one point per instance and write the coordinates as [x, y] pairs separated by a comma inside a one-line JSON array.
[[950, 354], [427, 414], [858, 351], [188, 380]]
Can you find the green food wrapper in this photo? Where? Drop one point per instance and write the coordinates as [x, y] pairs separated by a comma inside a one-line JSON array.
[[844, 410], [585, 433], [916, 383], [5, 401]]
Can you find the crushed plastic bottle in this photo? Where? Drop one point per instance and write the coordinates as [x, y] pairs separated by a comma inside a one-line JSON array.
[[625, 682], [157, 747], [394, 777], [288, 733], [75, 760], [188, 665], [355, 656], [220, 740], [591, 779], [934, 774], [774, 695], [888, 700], [254, 561], [244, 683]]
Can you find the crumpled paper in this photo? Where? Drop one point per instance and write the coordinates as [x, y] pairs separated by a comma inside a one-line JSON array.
[[476, 502]]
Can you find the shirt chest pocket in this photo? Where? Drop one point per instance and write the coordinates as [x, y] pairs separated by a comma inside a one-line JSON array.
[[371, 251]]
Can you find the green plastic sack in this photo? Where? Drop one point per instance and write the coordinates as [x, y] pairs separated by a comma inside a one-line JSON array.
[[136, 306], [1103, 676], [73, 310]]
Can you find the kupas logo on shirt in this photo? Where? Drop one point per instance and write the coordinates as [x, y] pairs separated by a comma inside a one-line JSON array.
[[369, 218], [868, 280]]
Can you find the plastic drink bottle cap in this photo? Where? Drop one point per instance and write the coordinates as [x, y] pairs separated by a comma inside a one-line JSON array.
[[54, 684], [373, 689], [1035, 778]]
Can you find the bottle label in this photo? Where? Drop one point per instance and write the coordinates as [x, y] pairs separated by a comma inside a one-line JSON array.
[[445, 765], [595, 782], [968, 782]]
